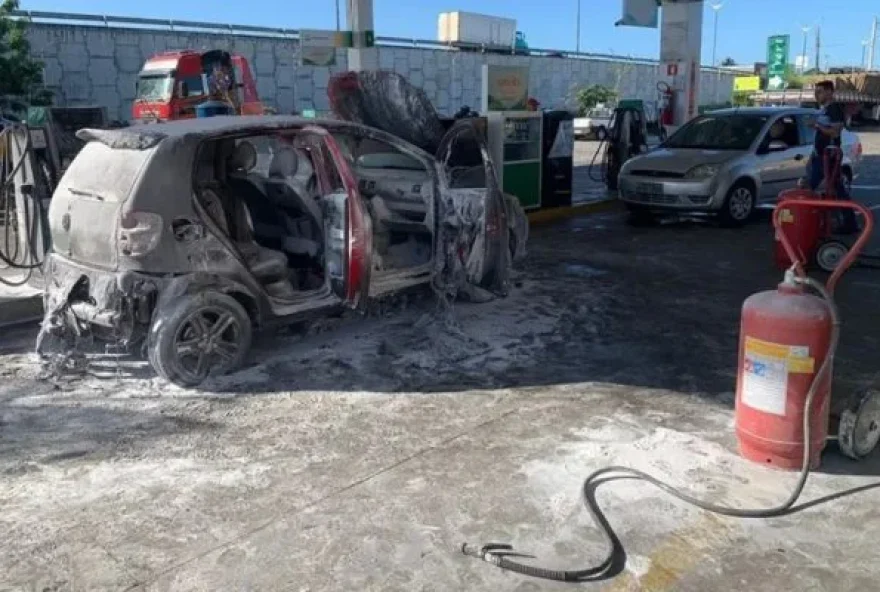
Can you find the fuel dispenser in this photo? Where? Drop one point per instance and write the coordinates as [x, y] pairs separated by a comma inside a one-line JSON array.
[[557, 159]]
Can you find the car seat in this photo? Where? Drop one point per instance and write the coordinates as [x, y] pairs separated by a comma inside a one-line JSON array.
[[288, 189]]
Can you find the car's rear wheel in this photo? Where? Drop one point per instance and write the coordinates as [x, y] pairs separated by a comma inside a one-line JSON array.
[[739, 205], [207, 334]]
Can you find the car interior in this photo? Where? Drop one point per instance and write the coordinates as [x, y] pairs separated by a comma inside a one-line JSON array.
[[784, 131], [264, 193]]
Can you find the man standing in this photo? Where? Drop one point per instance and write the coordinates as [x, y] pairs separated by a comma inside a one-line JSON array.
[[829, 125]]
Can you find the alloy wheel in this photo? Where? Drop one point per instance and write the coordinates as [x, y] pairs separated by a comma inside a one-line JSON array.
[[208, 340], [742, 202]]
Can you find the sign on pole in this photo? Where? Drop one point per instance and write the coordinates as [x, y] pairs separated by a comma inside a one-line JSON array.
[[777, 61], [318, 48], [639, 13]]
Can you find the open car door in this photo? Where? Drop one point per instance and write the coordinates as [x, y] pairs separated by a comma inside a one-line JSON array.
[[474, 207], [348, 232]]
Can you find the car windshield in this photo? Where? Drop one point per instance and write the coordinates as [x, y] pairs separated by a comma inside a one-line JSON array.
[[718, 132], [155, 87]]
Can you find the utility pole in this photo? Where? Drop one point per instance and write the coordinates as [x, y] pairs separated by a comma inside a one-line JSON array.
[[803, 59], [338, 25], [716, 7], [873, 47], [577, 43], [818, 47]]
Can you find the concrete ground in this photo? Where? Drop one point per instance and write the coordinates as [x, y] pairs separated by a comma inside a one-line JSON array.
[[359, 454]]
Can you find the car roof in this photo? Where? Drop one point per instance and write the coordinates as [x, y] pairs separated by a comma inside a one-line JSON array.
[[761, 111], [147, 135]]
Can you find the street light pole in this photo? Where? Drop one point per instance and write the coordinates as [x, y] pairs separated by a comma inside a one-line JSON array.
[[806, 31], [716, 8], [338, 24], [577, 43]]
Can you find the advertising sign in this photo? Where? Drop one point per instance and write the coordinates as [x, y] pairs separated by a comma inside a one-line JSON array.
[[318, 48], [505, 88], [777, 61], [746, 83]]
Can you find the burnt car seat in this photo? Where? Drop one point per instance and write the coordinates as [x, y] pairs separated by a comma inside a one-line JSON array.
[[267, 265], [267, 223], [288, 189]]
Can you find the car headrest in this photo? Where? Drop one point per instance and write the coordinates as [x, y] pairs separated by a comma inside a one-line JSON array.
[[243, 158], [284, 163]]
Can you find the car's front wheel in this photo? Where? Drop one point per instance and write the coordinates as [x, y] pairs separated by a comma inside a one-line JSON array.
[[208, 333], [739, 204]]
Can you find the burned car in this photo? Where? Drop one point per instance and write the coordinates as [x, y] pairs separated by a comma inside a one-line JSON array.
[[186, 236]]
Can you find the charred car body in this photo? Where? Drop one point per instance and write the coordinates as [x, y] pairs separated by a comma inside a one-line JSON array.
[[186, 236]]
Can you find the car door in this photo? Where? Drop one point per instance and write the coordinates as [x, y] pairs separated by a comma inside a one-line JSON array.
[[347, 228], [469, 174], [780, 169]]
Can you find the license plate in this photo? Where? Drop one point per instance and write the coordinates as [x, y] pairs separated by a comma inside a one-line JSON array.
[[649, 188]]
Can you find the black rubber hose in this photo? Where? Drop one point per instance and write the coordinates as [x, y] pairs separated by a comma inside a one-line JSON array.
[[31, 215], [498, 554]]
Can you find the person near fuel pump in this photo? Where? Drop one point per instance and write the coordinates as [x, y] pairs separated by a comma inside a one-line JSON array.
[[829, 125]]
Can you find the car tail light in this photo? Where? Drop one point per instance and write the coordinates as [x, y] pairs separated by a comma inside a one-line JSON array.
[[139, 233]]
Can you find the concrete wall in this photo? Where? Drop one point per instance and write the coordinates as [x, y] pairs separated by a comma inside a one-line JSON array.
[[90, 65]]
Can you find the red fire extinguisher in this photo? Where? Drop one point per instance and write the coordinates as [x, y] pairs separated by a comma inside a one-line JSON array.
[[787, 342], [666, 103], [804, 226]]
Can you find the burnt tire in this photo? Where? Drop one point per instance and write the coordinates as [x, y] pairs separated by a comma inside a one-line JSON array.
[[739, 205], [205, 335]]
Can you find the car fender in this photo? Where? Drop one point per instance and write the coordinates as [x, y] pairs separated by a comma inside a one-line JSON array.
[[189, 285], [739, 172]]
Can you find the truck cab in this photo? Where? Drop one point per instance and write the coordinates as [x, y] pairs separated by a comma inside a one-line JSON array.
[[171, 85]]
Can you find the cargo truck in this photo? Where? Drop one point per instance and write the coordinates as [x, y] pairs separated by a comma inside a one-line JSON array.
[[470, 30]]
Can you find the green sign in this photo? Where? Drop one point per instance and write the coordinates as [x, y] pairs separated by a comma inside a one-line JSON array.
[[777, 61]]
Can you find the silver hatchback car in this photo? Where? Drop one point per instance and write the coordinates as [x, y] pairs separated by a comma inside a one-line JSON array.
[[727, 163]]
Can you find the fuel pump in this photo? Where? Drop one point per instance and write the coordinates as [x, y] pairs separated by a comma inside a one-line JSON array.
[[627, 137], [665, 108]]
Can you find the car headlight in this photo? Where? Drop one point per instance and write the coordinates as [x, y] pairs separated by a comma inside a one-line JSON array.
[[703, 171]]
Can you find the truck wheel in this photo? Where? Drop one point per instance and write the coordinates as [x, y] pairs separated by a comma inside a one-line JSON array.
[[209, 333], [601, 133], [739, 205]]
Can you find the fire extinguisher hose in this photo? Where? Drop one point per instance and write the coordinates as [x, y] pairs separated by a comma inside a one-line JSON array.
[[499, 554]]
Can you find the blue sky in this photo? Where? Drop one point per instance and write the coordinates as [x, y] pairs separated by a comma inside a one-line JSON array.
[[744, 25]]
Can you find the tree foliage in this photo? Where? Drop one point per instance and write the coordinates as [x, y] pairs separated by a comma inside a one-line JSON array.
[[21, 76], [590, 96], [728, 62]]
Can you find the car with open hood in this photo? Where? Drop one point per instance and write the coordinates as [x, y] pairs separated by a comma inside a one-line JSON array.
[[187, 236], [727, 163]]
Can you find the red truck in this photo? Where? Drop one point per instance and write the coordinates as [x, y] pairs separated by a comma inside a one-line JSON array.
[[171, 85]]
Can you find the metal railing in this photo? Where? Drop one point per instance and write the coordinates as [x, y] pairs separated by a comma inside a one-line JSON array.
[[129, 22]]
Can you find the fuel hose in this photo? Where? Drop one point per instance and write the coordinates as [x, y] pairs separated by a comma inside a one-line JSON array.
[[500, 554], [12, 255]]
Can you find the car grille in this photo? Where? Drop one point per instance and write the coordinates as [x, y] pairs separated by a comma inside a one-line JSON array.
[[657, 174], [660, 199]]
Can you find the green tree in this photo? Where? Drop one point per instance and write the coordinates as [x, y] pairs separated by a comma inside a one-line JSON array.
[[21, 76], [590, 96], [728, 62]]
